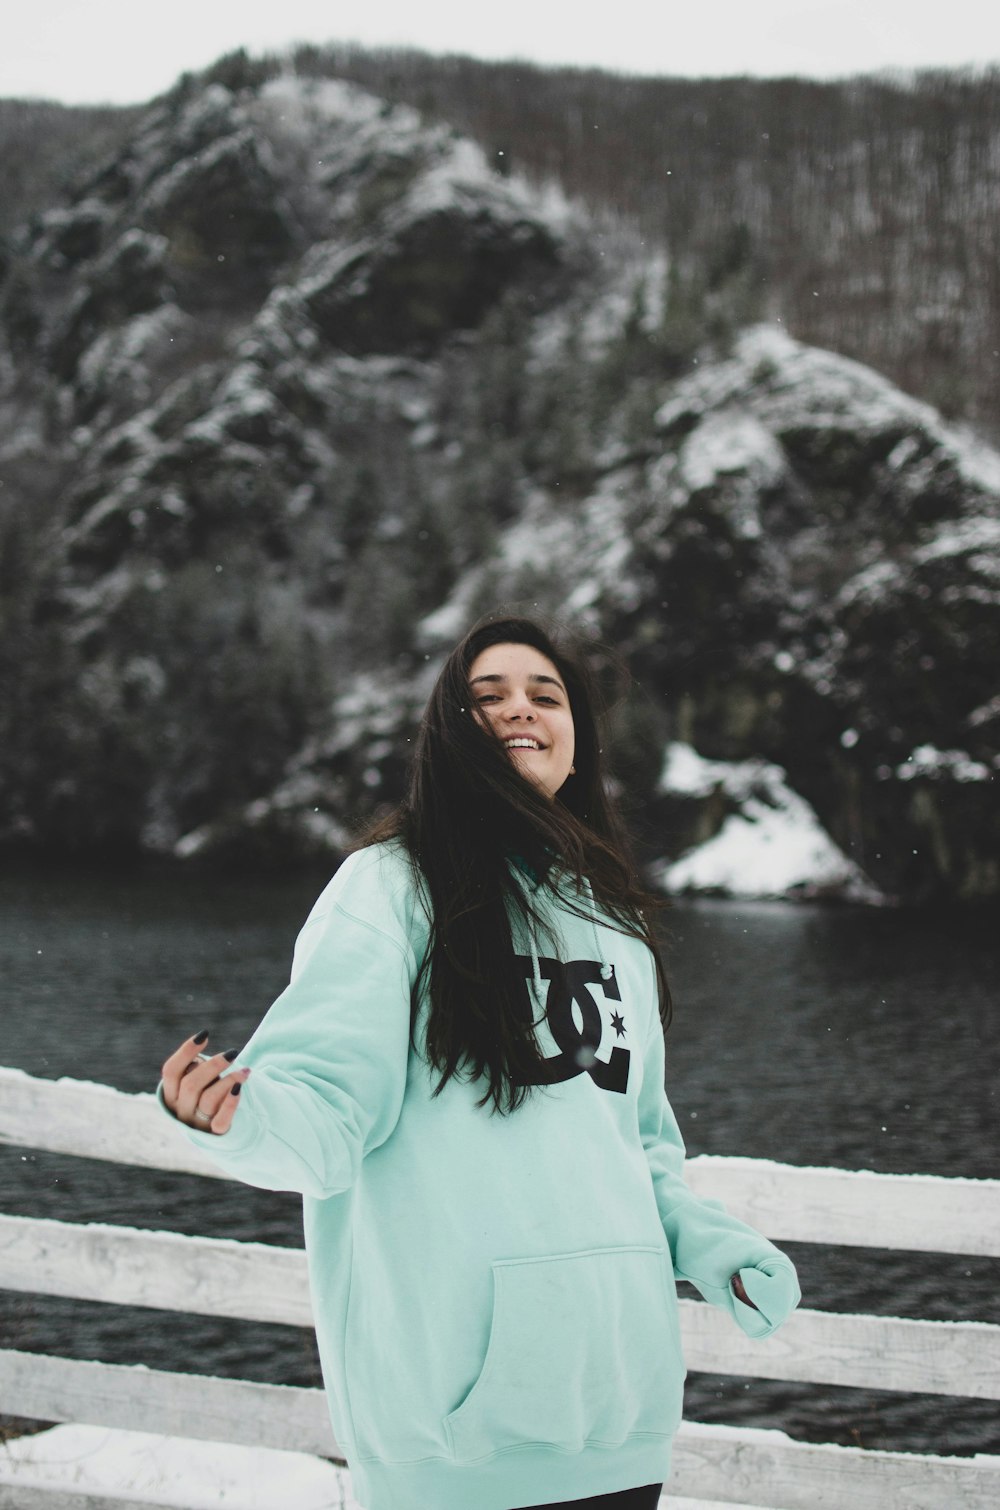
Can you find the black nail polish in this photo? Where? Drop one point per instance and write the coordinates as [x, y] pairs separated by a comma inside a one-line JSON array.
[[230, 1054], [236, 1088], [201, 1037]]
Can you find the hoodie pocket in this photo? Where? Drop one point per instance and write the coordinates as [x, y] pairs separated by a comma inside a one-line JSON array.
[[583, 1347]]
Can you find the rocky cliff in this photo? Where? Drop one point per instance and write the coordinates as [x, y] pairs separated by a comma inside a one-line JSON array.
[[294, 387]]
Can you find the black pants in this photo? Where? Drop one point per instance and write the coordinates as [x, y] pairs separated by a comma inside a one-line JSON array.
[[646, 1498]]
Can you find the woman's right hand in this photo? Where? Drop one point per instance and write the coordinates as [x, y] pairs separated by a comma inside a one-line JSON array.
[[193, 1090]]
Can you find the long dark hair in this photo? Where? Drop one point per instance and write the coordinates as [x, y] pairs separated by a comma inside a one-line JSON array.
[[467, 813]]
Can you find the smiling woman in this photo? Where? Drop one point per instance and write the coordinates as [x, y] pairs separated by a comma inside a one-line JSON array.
[[468, 1067]]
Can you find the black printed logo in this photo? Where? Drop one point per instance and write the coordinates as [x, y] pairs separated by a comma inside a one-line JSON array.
[[568, 985]]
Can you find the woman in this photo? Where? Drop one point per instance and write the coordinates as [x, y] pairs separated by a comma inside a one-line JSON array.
[[465, 1081]]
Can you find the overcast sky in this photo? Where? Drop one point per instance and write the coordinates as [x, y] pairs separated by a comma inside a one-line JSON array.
[[118, 50]]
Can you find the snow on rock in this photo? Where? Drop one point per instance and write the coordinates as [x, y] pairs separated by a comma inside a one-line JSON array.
[[772, 846], [374, 722], [301, 103], [418, 235], [980, 535], [600, 554], [350, 133], [130, 279], [434, 268], [949, 765], [347, 139], [116, 364], [872, 585], [985, 714], [733, 447], [293, 817], [446, 624], [824, 407], [589, 548], [727, 443], [797, 380]]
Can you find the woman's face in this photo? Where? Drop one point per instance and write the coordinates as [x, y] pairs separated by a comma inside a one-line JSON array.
[[520, 693]]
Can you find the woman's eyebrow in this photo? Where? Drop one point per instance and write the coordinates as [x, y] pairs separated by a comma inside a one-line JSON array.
[[496, 676]]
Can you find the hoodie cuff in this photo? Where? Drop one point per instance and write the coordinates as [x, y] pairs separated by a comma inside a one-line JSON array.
[[241, 1136], [774, 1290]]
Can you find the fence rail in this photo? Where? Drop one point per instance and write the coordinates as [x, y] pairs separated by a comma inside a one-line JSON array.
[[259, 1282], [853, 1208]]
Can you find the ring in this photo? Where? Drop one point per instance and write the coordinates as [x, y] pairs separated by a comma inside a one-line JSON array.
[[201, 1116]]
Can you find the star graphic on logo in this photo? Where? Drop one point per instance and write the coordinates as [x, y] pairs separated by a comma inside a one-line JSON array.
[[618, 1024]]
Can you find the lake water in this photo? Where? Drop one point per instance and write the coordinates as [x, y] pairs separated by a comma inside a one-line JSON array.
[[861, 1039]]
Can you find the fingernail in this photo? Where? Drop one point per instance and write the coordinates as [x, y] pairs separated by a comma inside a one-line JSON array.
[[230, 1054], [202, 1036], [236, 1088]]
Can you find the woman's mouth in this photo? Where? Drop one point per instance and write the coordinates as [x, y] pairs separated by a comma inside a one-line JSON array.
[[520, 742]]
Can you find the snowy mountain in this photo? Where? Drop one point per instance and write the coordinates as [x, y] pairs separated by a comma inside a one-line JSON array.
[[294, 387]]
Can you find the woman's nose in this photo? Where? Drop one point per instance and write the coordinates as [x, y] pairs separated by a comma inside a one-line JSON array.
[[520, 707]]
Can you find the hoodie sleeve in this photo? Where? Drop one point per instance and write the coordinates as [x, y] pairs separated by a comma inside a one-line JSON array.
[[329, 1059], [708, 1246]]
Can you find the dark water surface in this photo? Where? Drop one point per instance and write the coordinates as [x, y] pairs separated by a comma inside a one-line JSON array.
[[860, 1039]]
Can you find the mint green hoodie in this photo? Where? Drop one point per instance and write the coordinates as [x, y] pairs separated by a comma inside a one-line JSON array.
[[494, 1295]]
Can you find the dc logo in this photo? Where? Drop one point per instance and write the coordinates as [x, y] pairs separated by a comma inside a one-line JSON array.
[[569, 983]]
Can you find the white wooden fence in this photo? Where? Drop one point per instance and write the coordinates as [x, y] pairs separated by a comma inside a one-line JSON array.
[[733, 1466]]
